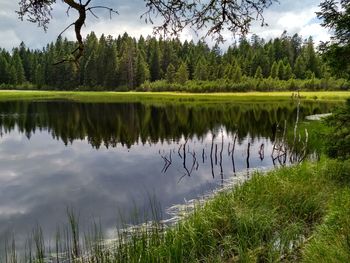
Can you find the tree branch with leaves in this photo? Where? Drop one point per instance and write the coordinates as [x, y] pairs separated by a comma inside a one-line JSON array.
[[39, 12], [214, 16], [336, 16]]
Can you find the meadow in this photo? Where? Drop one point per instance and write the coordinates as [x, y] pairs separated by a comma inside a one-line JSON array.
[[144, 97]]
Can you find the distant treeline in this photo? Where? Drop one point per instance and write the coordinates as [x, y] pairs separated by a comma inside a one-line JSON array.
[[125, 63], [107, 124]]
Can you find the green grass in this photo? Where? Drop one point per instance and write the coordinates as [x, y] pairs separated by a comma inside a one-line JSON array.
[[293, 214], [289, 215], [168, 96], [264, 220], [330, 241], [317, 132]]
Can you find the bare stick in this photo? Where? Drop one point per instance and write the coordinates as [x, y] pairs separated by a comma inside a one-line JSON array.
[[295, 130], [65, 29], [211, 156]]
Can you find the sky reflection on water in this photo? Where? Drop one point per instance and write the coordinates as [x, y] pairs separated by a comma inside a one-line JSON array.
[[40, 176]]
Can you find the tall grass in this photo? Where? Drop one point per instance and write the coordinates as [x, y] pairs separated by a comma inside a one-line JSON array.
[[291, 214], [173, 97]]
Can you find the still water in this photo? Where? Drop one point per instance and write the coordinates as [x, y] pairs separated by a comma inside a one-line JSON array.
[[106, 160]]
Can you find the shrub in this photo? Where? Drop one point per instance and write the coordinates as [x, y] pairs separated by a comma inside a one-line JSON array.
[[338, 140]]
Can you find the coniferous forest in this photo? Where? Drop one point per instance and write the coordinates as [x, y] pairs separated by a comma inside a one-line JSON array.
[[156, 64], [182, 175]]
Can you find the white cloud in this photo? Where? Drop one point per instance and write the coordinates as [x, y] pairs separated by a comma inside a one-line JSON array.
[[114, 28], [295, 16], [294, 20], [316, 31], [302, 21], [8, 39]]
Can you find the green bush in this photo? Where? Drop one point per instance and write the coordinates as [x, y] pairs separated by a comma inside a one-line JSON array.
[[246, 84], [338, 140]]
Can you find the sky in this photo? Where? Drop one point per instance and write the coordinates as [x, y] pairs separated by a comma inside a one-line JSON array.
[[294, 16]]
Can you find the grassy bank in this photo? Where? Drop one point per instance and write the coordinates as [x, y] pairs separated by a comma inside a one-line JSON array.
[[293, 214], [290, 215], [170, 96]]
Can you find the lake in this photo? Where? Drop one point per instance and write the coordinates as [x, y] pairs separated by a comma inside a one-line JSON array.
[[106, 160]]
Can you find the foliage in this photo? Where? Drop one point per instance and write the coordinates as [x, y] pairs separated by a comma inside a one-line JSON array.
[[125, 63], [214, 16], [338, 140], [247, 84], [258, 73], [170, 73], [274, 70], [182, 74], [336, 16]]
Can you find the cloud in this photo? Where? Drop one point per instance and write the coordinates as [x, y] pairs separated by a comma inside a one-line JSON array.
[[316, 31], [9, 39], [294, 5], [297, 16]]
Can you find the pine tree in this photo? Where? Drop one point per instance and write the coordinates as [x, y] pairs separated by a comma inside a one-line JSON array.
[[280, 70], [229, 72], [17, 63], [296, 42], [288, 72], [237, 74], [142, 70], [201, 70], [155, 62], [258, 73], [311, 61], [26, 58], [90, 71], [127, 64], [110, 64], [101, 60], [219, 69], [170, 73], [4, 70], [39, 78], [274, 70], [182, 74], [277, 46], [12, 75], [299, 68], [270, 53], [168, 56], [49, 59]]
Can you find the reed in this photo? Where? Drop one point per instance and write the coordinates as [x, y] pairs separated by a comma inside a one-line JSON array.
[[288, 214]]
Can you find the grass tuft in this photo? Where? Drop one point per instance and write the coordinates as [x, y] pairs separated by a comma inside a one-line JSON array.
[[293, 214]]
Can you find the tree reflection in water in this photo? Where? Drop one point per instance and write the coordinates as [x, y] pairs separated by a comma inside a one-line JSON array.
[[177, 149], [127, 124]]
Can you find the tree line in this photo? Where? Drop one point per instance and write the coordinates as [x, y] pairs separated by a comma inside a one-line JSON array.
[[127, 63], [108, 124]]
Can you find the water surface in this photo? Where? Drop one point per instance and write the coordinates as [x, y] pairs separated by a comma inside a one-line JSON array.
[[104, 160]]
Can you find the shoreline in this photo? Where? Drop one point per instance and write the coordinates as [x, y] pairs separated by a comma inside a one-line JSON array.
[[288, 213], [110, 96]]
